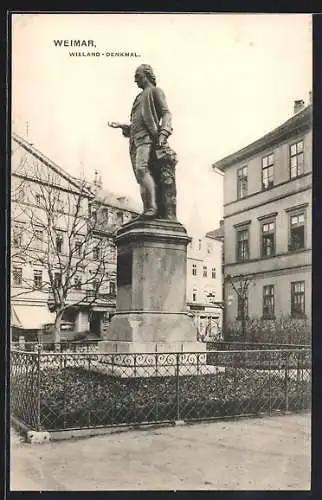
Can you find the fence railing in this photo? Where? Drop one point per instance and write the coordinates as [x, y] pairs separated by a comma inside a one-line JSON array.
[[65, 390], [239, 346], [70, 346]]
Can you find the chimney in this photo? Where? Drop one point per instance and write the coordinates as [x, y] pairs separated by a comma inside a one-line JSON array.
[[97, 180], [298, 106]]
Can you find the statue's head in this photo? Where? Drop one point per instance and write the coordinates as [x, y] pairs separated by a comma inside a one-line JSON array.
[[143, 75]]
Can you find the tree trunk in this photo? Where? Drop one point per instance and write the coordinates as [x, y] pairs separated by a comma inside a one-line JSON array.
[[58, 319], [243, 320]]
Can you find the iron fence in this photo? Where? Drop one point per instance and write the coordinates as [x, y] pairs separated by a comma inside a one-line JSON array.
[[70, 346], [65, 390], [243, 346]]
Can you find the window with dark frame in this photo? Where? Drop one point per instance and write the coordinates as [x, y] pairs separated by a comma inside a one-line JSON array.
[[298, 298], [59, 243], [38, 199], [37, 278], [17, 236], [97, 251], [242, 302], [213, 273], [112, 288], [194, 295], [296, 159], [242, 182], [268, 239], [194, 269], [57, 280], [39, 238], [297, 224], [204, 271], [17, 275], [242, 245], [268, 171], [78, 247], [77, 282], [268, 302]]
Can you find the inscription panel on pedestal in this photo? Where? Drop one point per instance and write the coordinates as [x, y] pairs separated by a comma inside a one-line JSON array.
[[124, 268]]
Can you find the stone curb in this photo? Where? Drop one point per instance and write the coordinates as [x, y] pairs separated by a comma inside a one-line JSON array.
[[40, 437]]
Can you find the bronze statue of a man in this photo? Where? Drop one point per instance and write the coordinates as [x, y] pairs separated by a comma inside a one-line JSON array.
[[152, 159]]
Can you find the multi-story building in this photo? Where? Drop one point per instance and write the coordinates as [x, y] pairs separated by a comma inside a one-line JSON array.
[[44, 194], [204, 284], [267, 223]]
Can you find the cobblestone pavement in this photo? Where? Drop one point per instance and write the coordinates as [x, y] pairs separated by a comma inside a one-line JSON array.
[[271, 453]]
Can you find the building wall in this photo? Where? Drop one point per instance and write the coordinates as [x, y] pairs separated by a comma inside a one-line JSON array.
[[28, 173], [204, 252], [282, 284], [279, 202]]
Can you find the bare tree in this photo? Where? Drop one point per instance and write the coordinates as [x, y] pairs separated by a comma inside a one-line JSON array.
[[240, 284], [60, 226]]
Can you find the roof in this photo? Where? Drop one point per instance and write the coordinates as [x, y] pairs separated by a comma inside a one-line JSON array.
[[28, 146], [216, 234], [302, 120], [117, 201]]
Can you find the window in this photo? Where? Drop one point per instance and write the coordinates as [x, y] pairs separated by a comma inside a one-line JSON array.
[[194, 295], [96, 285], [57, 280], [112, 288], [77, 283], [60, 206], [199, 244], [59, 243], [17, 276], [204, 271], [97, 250], [37, 278], [242, 306], [296, 159], [268, 171], [242, 182], [78, 248], [296, 232], [17, 236], [268, 239], [297, 299], [21, 194], [38, 199], [242, 245], [194, 269], [39, 238], [213, 273], [268, 301]]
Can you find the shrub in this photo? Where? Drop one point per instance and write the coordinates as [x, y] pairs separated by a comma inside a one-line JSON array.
[[283, 330]]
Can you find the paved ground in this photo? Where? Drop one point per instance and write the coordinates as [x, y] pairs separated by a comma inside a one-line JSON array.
[[270, 453]]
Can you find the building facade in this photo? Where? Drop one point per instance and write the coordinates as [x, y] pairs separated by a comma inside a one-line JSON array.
[[267, 223], [204, 284], [43, 194]]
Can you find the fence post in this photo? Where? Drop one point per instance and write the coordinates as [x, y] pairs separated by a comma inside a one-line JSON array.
[[64, 382], [286, 383], [270, 385], [178, 386], [38, 388]]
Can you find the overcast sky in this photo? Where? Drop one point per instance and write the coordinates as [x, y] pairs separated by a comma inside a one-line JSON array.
[[228, 80]]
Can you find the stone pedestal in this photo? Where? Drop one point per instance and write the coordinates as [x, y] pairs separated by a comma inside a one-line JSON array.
[[151, 313]]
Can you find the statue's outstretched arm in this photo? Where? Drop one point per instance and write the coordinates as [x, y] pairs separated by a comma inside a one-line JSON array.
[[124, 126]]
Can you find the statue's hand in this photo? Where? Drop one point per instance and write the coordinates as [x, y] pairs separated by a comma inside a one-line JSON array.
[[114, 124], [161, 141]]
